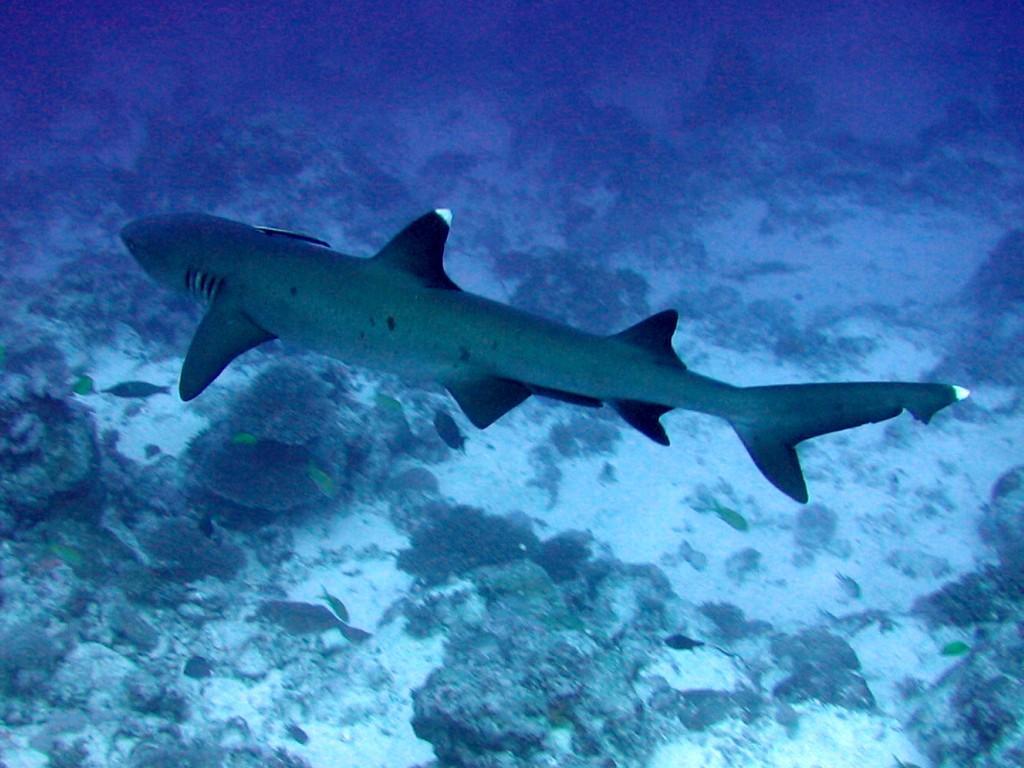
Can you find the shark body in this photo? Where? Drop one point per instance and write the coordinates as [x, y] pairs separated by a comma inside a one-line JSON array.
[[399, 311]]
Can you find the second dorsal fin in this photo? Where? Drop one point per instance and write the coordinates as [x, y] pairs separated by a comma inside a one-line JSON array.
[[418, 250], [655, 335]]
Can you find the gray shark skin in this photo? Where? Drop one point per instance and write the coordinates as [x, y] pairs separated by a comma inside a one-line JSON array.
[[399, 311]]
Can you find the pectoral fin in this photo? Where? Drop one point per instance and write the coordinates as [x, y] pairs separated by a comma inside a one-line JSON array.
[[224, 333], [485, 399]]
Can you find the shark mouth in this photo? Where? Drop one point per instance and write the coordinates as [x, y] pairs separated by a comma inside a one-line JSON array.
[[203, 285]]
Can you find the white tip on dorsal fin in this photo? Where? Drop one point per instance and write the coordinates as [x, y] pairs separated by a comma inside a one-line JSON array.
[[418, 250], [446, 214], [961, 393]]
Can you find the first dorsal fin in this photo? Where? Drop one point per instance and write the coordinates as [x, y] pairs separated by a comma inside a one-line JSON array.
[[418, 250], [655, 335], [224, 333]]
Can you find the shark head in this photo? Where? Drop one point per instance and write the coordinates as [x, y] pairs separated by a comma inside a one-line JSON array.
[[183, 251]]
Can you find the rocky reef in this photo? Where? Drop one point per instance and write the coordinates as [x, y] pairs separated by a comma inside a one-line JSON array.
[[48, 454]]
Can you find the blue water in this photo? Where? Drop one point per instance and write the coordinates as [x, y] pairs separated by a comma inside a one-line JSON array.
[[822, 191]]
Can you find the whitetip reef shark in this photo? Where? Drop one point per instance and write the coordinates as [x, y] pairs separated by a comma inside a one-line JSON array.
[[399, 311]]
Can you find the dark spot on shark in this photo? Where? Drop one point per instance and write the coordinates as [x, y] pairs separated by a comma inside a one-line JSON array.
[[294, 291], [463, 355], [391, 323]]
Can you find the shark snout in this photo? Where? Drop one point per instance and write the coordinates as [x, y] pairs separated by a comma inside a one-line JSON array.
[[151, 242], [132, 236]]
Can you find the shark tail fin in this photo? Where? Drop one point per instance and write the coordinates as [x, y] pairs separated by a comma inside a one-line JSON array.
[[775, 419]]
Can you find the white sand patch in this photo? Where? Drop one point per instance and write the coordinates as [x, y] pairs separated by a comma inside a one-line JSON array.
[[384, 739], [827, 737], [855, 256], [360, 714], [17, 755], [700, 669], [353, 558], [160, 420], [891, 657]]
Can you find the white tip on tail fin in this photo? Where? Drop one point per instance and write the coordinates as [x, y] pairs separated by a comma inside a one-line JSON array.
[[786, 415], [444, 213], [961, 393]]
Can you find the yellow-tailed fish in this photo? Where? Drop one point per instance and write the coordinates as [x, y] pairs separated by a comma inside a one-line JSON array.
[[322, 480], [727, 514], [389, 404], [244, 438], [71, 557], [83, 385], [955, 648]]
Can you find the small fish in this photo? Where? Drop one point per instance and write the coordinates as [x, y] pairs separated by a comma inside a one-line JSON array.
[[679, 642], [388, 403], [306, 619], [83, 385], [354, 634], [849, 586], [136, 389], [728, 515], [298, 618], [321, 479], [955, 648], [449, 431], [244, 438], [3, 354], [335, 604], [71, 557]]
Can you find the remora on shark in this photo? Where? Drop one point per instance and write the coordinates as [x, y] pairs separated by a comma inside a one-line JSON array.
[[399, 311]]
